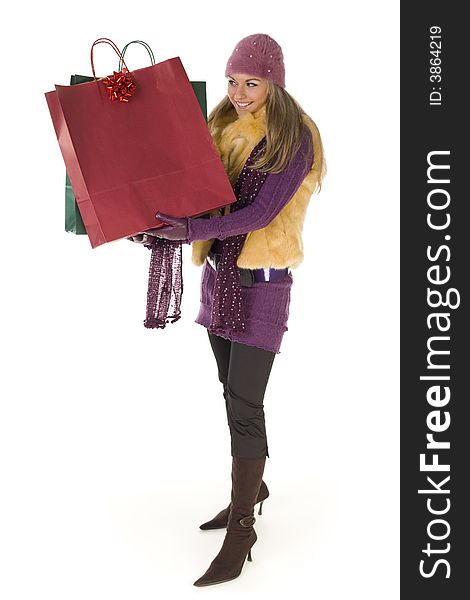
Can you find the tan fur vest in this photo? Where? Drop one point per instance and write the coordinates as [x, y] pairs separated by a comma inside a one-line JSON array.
[[279, 244]]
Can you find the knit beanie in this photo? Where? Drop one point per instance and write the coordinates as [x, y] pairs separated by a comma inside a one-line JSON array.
[[259, 55]]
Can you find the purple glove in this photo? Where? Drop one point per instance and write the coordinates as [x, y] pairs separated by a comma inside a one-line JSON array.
[[177, 229]]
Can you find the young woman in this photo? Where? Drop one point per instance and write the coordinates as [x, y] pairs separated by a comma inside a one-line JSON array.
[[273, 156]]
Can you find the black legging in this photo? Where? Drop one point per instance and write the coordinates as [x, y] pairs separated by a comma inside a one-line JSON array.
[[244, 372]]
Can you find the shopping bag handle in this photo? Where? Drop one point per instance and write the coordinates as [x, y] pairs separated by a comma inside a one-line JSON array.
[[147, 47], [115, 48]]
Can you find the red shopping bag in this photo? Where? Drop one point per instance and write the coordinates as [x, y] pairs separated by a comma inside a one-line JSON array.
[[129, 159]]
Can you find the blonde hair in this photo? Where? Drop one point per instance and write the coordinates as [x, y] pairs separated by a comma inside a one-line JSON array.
[[284, 128]]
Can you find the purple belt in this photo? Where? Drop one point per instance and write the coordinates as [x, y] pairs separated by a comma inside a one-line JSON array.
[[248, 276]]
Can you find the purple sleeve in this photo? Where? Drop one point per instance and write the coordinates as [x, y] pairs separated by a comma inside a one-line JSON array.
[[274, 194]]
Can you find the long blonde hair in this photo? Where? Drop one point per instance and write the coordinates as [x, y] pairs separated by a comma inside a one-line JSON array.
[[284, 127]]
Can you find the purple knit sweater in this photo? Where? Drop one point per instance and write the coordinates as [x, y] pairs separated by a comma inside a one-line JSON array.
[[266, 305]]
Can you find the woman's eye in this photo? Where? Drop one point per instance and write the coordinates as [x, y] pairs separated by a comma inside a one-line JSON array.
[[249, 84]]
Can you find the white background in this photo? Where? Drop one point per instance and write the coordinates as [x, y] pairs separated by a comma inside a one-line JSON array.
[[114, 443]]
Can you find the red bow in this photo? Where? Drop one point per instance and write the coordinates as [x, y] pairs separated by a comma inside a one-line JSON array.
[[119, 85]]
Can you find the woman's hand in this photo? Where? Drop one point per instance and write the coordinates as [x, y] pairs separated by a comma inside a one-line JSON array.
[[142, 238], [177, 229]]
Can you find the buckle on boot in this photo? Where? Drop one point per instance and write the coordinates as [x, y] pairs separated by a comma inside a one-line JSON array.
[[247, 521]]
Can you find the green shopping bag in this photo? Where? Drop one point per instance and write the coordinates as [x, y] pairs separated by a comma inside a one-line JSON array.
[[73, 219], [199, 88]]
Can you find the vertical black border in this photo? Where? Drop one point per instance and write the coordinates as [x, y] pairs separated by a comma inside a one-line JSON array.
[[425, 129]]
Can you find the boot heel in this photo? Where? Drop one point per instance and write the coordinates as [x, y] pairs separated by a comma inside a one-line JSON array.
[[249, 555], [260, 512]]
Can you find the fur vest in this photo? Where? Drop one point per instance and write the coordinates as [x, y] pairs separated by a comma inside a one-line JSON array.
[[279, 244]]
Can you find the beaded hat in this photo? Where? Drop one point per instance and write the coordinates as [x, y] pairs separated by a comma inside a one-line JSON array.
[[260, 55]]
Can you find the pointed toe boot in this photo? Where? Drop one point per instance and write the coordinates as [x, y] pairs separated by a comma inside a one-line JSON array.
[[221, 519], [240, 536], [237, 545]]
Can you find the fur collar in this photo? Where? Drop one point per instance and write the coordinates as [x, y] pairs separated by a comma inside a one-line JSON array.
[[235, 137]]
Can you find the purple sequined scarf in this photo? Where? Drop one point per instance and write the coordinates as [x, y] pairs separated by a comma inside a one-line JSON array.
[[165, 282], [227, 305]]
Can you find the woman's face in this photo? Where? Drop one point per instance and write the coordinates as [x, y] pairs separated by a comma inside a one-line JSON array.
[[247, 93]]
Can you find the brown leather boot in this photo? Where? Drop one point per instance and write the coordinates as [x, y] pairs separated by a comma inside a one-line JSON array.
[[247, 474], [221, 519]]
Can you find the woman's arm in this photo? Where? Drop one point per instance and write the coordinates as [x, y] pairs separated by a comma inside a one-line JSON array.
[[274, 194]]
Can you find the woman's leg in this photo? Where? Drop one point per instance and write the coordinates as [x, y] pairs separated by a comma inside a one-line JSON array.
[[221, 349], [248, 376], [222, 352]]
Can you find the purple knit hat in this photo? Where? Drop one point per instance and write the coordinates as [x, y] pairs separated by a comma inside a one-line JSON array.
[[260, 55]]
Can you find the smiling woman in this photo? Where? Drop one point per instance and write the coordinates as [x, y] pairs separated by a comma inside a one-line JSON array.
[[273, 156]]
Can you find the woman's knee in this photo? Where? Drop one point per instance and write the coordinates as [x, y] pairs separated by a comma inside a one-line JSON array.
[[242, 406]]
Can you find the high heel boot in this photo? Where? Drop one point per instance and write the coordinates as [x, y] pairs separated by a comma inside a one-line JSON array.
[[220, 520], [240, 537]]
